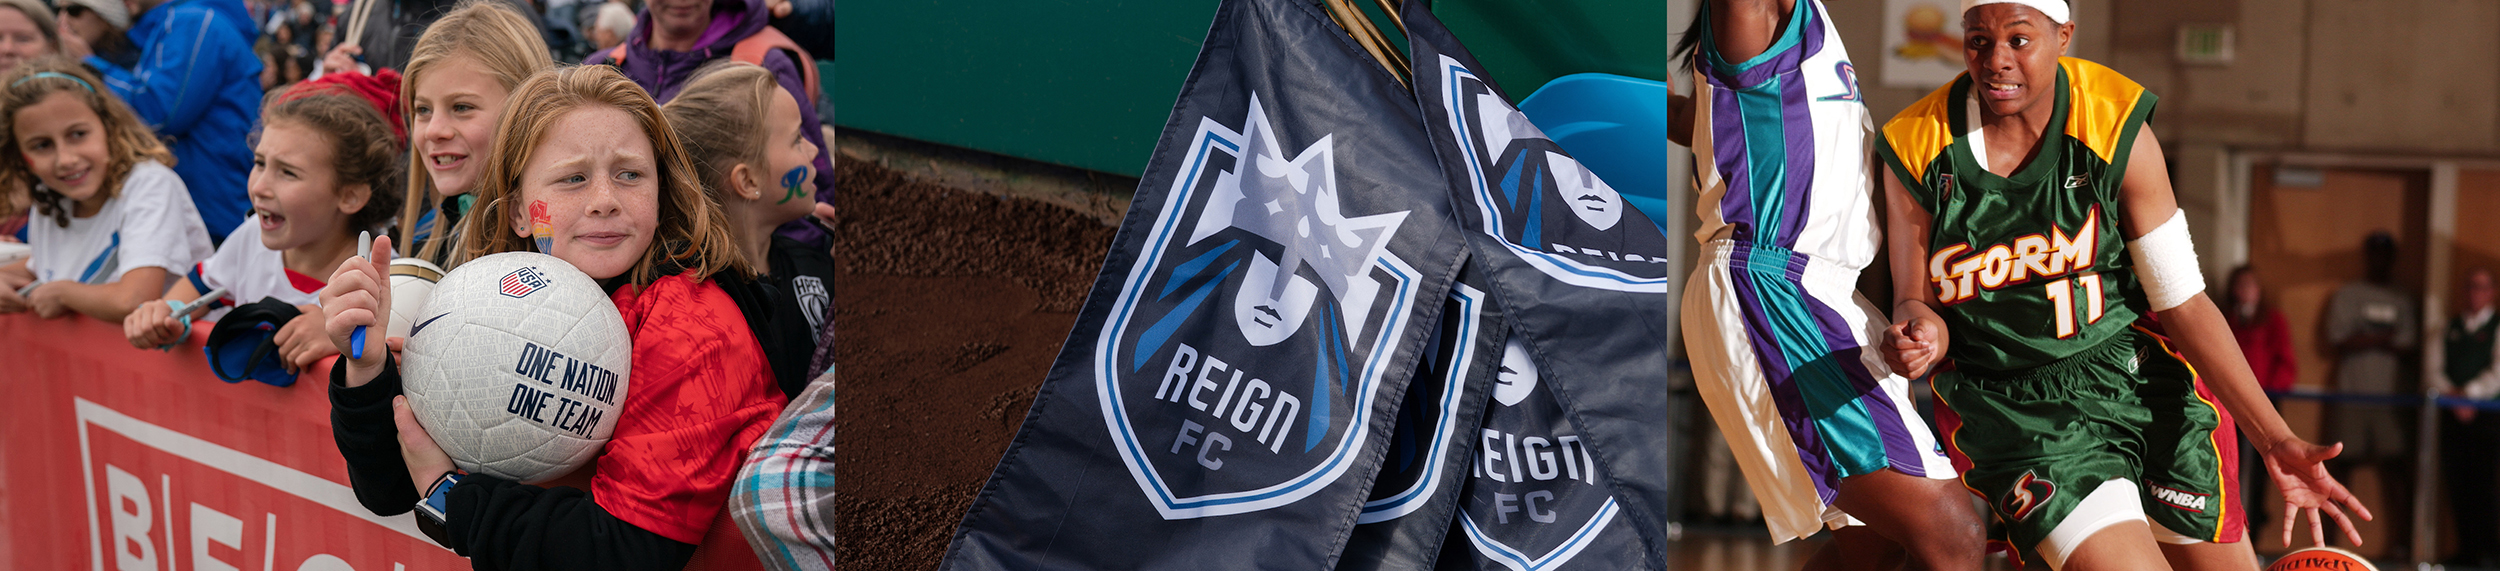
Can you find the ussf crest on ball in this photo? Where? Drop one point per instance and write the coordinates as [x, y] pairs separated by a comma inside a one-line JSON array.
[[516, 366]]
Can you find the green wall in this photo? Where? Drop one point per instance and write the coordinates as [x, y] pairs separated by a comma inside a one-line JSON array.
[[1089, 83]]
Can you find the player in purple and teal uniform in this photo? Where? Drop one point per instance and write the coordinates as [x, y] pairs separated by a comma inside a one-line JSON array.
[[1778, 337]]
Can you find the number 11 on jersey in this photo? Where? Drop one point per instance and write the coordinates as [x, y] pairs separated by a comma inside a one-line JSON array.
[[2062, 295]]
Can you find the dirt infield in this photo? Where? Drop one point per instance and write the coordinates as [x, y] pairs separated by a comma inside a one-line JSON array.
[[951, 306]]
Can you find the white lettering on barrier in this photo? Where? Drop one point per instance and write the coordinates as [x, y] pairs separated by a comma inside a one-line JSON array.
[[211, 525], [133, 516], [130, 500]]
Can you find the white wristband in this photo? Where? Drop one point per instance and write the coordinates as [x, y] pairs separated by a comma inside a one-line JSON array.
[[2165, 261]]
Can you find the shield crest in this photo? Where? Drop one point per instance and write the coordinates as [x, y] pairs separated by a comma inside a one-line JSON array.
[[1246, 349]]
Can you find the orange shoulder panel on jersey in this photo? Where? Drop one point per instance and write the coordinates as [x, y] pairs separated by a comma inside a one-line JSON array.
[[2100, 101], [1920, 133]]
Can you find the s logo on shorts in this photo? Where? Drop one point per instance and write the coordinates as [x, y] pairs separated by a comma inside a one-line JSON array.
[[2029, 494]]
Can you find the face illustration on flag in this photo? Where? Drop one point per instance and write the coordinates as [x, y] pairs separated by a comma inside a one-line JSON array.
[[1241, 356], [1547, 208]]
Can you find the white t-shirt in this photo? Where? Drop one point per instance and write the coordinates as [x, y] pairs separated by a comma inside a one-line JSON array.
[[149, 224], [251, 271]]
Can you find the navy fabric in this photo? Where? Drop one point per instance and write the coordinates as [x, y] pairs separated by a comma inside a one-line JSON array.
[[1425, 481], [1583, 279], [1225, 396], [244, 343]]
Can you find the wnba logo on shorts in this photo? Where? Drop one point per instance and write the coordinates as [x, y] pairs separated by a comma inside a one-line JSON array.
[[2023, 500], [521, 282], [2178, 499]]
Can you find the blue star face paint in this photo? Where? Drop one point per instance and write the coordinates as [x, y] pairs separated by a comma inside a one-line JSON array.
[[792, 182]]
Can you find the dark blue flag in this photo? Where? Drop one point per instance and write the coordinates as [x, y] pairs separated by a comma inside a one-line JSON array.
[[1582, 277], [1226, 394], [1408, 514], [1535, 499]]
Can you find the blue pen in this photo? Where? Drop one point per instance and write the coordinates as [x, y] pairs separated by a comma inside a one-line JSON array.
[[356, 339]]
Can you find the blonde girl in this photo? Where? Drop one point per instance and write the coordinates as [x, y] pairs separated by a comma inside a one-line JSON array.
[[743, 133], [456, 85]]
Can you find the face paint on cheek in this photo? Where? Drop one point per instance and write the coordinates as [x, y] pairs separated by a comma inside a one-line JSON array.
[[790, 182], [542, 227]]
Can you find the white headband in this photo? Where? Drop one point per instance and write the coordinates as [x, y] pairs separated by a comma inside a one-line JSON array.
[[2056, 9]]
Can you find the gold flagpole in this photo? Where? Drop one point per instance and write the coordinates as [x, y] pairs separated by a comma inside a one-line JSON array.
[[1360, 28]]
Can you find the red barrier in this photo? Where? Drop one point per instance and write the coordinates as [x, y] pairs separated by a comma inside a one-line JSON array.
[[119, 458]]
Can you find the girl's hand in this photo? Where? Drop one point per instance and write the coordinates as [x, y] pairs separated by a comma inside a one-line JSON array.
[[48, 300], [2299, 469], [359, 294], [302, 342], [152, 325], [426, 460], [11, 303], [1914, 344], [342, 59]]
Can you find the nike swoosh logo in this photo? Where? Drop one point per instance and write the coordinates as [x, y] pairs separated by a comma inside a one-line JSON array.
[[412, 331]]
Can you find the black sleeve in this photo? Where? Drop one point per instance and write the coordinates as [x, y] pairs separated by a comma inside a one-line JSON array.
[[810, 298], [500, 524], [773, 316], [360, 420]]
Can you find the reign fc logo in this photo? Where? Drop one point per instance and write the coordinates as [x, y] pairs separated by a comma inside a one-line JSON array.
[[1242, 356], [1534, 499], [1547, 208]]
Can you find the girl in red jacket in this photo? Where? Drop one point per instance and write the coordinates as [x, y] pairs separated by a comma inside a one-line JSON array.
[[627, 209]]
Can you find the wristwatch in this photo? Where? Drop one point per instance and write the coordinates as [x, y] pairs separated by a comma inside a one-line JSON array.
[[438, 499]]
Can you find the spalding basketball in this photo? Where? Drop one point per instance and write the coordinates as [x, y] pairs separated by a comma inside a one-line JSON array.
[[412, 281], [2321, 559], [516, 365]]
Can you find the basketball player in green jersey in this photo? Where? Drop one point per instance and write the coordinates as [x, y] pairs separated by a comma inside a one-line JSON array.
[[2036, 245]]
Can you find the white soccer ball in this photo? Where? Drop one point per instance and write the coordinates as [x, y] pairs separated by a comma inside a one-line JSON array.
[[412, 280], [517, 365]]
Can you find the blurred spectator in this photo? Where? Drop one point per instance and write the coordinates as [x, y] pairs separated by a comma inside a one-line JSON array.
[[2373, 327], [381, 33], [198, 86], [26, 32], [2263, 334], [2266, 339], [564, 34], [105, 26], [303, 25], [675, 37], [615, 22], [2467, 440]]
